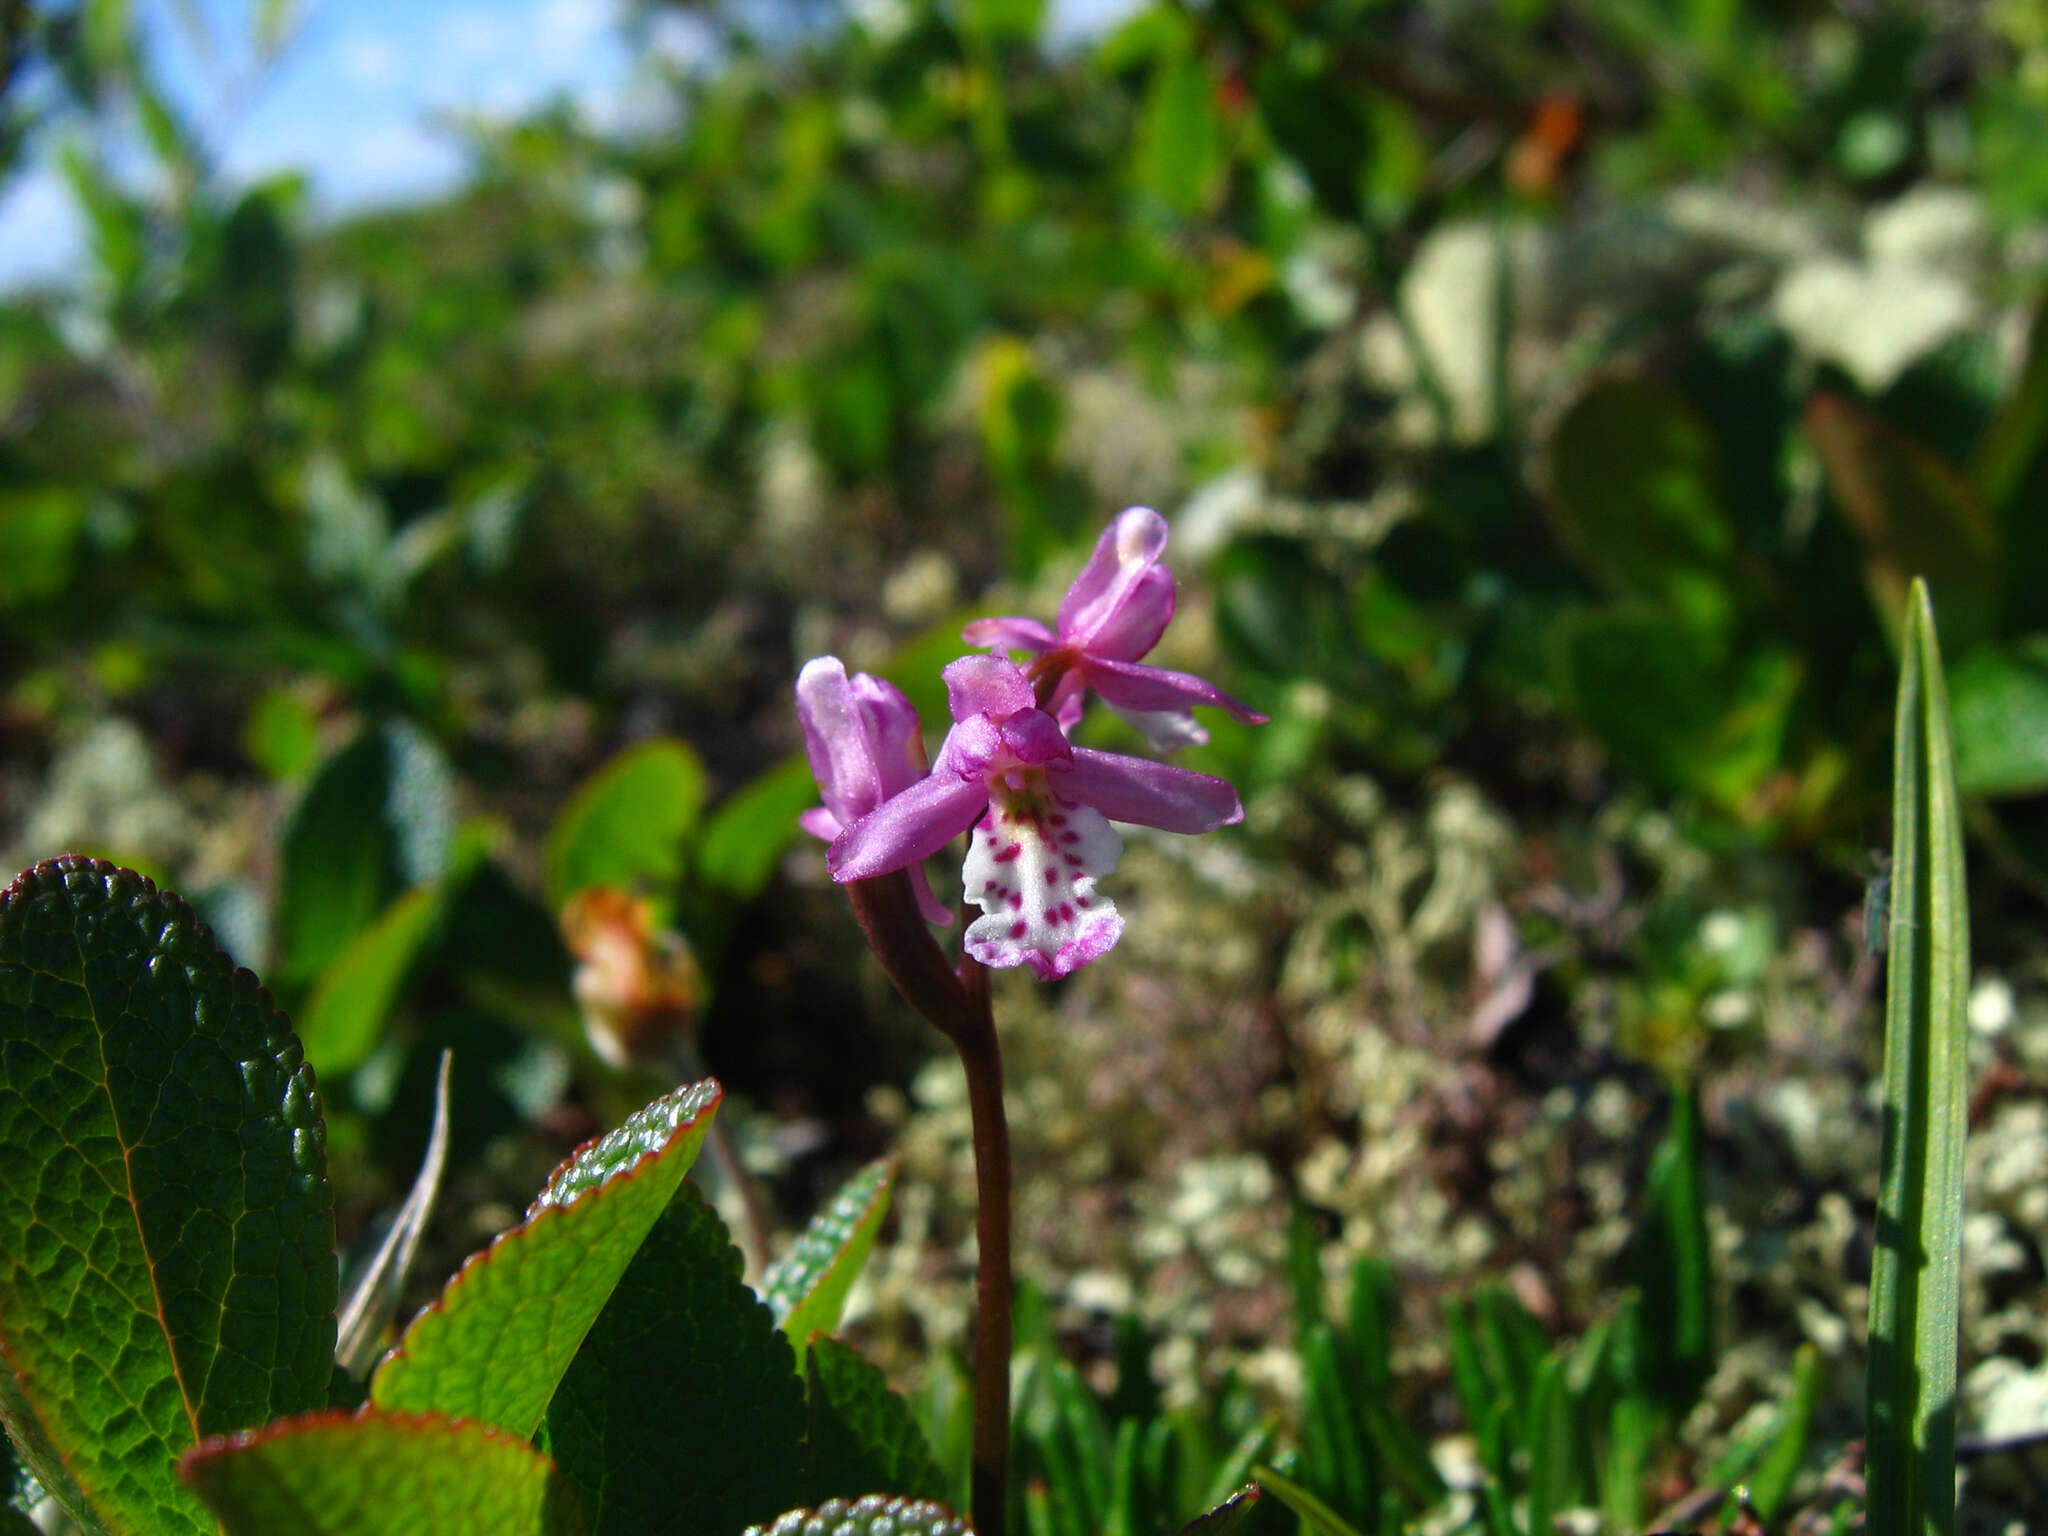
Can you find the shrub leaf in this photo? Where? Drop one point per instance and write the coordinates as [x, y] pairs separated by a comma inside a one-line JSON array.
[[166, 1225], [497, 1343], [336, 1474], [682, 1409]]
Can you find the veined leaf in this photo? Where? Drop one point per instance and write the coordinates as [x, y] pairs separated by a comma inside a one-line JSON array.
[[166, 1225], [626, 823], [806, 1289], [857, 1517], [683, 1407], [1915, 1274], [862, 1437], [497, 1343], [337, 1474]]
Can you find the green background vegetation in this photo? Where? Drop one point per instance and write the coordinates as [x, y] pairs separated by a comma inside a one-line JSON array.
[[1552, 402]]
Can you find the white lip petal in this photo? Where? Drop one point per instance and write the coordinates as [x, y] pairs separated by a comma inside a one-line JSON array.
[[1031, 868]]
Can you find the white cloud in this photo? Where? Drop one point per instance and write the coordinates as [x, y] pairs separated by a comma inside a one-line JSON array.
[[42, 236], [572, 25], [368, 61], [472, 33]]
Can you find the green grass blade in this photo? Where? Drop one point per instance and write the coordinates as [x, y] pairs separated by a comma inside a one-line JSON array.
[[1914, 1289]]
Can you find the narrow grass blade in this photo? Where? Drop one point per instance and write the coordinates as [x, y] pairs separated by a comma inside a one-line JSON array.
[[1914, 1292], [372, 1299]]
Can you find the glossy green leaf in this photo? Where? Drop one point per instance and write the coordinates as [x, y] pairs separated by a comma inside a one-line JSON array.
[[683, 1406], [376, 818], [344, 1018], [746, 837], [496, 1344], [626, 823], [861, 1436], [858, 1517], [337, 1474], [337, 867], [1227, 1517], [1999, 696], [1915, 1282], [806, 1289], [166, 1225]]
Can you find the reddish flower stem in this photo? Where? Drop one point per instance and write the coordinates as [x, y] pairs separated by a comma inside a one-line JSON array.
[[982, 1056], [957, 1004]]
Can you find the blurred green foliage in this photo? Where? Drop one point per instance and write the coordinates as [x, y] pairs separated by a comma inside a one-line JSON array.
[[1557, 393]]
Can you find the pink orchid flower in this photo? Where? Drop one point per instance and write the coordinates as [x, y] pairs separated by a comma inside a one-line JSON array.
[[1040, 809], [1112, 615], [865, 746]]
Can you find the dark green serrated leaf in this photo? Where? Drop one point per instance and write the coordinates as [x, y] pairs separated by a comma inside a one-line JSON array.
[[1915, 1279], [496, 1345], [1226, 1517], [337, 1474], [857, 1517], [625, 824], [806, 1289], [862, 1437], [166, 1225], [683, 1407]]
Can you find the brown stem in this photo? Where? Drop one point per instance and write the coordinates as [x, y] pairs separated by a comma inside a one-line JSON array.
[[957, 1004], [982, 1056], [886, 908]]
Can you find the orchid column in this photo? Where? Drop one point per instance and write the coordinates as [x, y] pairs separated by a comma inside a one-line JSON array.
[[1038, 811]]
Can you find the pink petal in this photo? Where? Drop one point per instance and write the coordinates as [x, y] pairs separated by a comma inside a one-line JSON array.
[[907, 827], [1131, 685], [895, 738], [820, 822], [1129, 548], [1032, 869], [934, 910], [986, 685], [1146, 793], [1014, 634], [1034, 737], [1134, 626], [836, 739]]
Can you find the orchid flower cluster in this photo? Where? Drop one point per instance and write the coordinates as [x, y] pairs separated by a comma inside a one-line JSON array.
[[1040, 808]]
